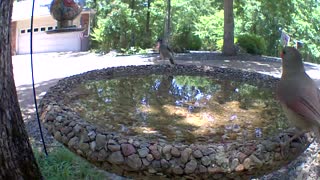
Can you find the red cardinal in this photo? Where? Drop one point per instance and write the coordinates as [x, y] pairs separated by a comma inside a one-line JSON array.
[[298, 93]]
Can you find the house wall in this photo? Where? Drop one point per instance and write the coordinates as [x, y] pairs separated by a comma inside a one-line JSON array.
[[13, 31], [46, 21], [20, 29]]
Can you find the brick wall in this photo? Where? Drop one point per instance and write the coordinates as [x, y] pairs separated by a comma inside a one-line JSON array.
[[84, 22]]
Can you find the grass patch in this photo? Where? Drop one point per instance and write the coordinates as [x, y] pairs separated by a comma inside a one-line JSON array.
[[63, 164]]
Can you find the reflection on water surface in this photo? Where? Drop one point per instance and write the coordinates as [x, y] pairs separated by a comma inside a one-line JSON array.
[[180, 108]]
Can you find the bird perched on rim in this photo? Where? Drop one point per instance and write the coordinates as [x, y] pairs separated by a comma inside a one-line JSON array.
[[298, 93], [165, 51]]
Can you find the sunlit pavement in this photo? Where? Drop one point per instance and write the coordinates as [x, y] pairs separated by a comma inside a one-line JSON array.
[[58, 65]]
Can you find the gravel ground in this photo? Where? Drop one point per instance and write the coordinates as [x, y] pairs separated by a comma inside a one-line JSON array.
[[49, 68]]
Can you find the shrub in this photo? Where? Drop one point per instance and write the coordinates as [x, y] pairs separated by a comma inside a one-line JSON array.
[[252, 43], [185, 40]]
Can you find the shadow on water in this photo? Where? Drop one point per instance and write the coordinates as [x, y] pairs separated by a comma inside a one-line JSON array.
[[179, 108]]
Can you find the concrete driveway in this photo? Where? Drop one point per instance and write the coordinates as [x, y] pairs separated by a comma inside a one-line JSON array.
[[49, 68]]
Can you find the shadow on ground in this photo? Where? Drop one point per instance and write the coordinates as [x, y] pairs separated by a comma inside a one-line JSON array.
[[27, 106]]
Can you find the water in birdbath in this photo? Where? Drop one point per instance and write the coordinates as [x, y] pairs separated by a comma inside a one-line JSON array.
[[186, 109]]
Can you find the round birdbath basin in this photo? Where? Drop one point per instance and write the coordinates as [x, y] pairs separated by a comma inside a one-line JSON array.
[[195, 122]]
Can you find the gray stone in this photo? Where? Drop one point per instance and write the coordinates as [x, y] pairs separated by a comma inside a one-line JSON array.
[[128, 149], [112, 142], [269, 145], [92, 135], [73, 142], [205, 160], [134, 162], [100, 141], [77, 129], [130, 141], [136, 144], [84, 137], [257, 161], [103, 155], [65, 140], [66, 130], [84, 147], [57, 136], [167, 156], [222, 160], [116, 158], [59, 118], [72, 124], [177, 170], [166, 149], [208, 151], [70, 135], [190, 167], [156, 165], [185, 155], [145, 162], [164, 164], [202, 169], [93, 145], [175, 152], [143, 152], [150, 157], [235, 162], [123, 141], [197, 154]]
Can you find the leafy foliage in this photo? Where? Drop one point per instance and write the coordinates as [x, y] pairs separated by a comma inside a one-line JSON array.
[[121, 24], [252, 43]]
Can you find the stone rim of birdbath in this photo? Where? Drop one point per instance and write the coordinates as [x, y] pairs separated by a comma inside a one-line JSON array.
[[132, 156]]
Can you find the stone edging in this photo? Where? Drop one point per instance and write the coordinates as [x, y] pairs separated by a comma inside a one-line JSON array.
[[138, 157]]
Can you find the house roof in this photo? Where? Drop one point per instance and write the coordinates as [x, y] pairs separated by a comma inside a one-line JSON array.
[[22, 10]]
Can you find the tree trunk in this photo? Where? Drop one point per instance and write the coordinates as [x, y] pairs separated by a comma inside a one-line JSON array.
[[148, 31], [16, 157], [167, 25], [228, 36], [132, 42]]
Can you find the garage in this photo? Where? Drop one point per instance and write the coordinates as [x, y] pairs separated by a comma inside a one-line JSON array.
[[44, 42], [45, 38]]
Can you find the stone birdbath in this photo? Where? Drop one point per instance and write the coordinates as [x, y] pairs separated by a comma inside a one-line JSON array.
[[113, 146]]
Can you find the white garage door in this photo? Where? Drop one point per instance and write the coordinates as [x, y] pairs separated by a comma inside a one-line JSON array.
[[43, 42]]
